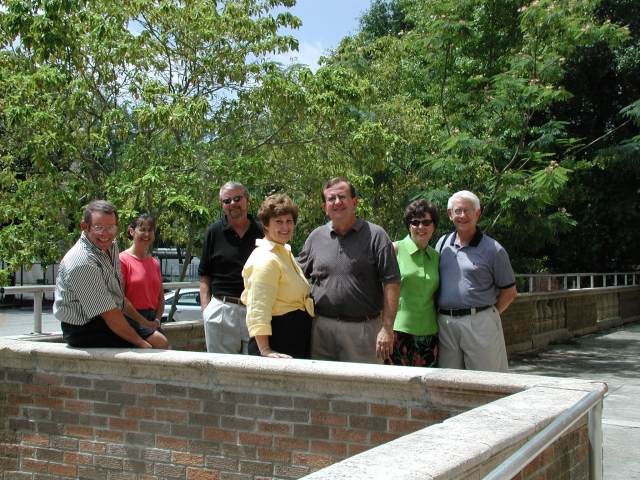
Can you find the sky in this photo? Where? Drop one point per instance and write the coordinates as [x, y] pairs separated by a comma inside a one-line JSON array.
[[324, 24]]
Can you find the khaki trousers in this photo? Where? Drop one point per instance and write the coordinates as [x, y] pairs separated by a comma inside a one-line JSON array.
[[342, 341], [225, 327], [472, 342]]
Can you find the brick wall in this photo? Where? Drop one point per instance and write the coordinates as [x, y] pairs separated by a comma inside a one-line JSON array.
[[582, 313], [517, 323], [92, 427], [110, 414], [568, 457], [186, 336]]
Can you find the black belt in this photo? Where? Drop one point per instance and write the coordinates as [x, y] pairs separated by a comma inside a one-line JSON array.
[[224, 298], [461, 312], [366, 318]]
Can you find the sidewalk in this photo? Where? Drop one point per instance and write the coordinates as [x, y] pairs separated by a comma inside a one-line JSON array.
[[612, 357]]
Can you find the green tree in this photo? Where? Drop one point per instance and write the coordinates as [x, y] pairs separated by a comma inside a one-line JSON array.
[[602, 193], [486, 76], [123, 101], [384, 18]]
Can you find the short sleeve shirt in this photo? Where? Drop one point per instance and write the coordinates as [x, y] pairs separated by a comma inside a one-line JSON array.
[[471, 275], [224, 254], [142, 281], [274, 285], [420, 280], [347, 271], [88, 283]]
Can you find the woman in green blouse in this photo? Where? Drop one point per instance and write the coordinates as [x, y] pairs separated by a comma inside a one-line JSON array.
[[415, 327]]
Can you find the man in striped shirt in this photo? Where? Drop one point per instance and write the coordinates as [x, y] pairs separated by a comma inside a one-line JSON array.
[[88, 296]]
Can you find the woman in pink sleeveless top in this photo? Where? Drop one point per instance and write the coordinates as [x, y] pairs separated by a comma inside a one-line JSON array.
[[141, 276]]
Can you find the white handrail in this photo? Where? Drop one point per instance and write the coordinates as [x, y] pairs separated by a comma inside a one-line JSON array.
[[591, 403], [39, 290], [573, 281]]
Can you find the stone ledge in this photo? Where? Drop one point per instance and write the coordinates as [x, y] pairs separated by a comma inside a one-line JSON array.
[[440, 387], [519, 347], [543, 339], [614, 322]]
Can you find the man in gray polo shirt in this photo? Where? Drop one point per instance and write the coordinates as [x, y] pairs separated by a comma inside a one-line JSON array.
[[477, 284], [355, 282]]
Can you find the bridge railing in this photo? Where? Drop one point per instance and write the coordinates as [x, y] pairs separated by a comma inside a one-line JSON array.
[[549, 282], [38, 292]]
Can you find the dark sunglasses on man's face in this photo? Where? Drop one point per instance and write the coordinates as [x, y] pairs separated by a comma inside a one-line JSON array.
[[236, 199], [416, 223]]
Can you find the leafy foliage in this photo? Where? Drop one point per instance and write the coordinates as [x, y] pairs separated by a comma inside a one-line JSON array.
[[123, 101], [154, 105], [488, 77], [603, 116]]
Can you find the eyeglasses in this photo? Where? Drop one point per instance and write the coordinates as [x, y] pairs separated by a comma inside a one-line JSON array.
[[334, 199], [143, 231], [100, 229], [466, 211], [235, 199], [417, 223]]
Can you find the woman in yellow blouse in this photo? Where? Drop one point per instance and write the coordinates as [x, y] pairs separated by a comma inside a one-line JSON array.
[[276, 293]]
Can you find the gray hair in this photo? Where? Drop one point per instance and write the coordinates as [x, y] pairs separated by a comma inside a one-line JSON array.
[[234, 186], [466, 195], [102, 206]]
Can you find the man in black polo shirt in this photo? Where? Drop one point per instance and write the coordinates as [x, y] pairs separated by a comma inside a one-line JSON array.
[[227, 246]]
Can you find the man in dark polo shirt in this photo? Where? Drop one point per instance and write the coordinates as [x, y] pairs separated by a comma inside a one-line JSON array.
[[227, 246], [355, 282], [88, 296], [477, 284]]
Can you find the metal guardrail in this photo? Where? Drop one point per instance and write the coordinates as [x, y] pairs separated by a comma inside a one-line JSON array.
[[39, 290], [591, 403], [534, 282]]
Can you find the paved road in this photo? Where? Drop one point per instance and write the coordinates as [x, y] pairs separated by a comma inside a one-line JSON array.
[[612, 357], [19, 321]]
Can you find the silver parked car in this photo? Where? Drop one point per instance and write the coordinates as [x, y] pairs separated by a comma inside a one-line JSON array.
[[187, 308]]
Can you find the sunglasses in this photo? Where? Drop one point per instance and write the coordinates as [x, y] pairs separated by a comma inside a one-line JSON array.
[[236, 199], [417, 223]]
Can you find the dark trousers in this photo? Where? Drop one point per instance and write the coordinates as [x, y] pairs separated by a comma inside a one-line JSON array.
[[149, 314], [290, 334], [97, 334]]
